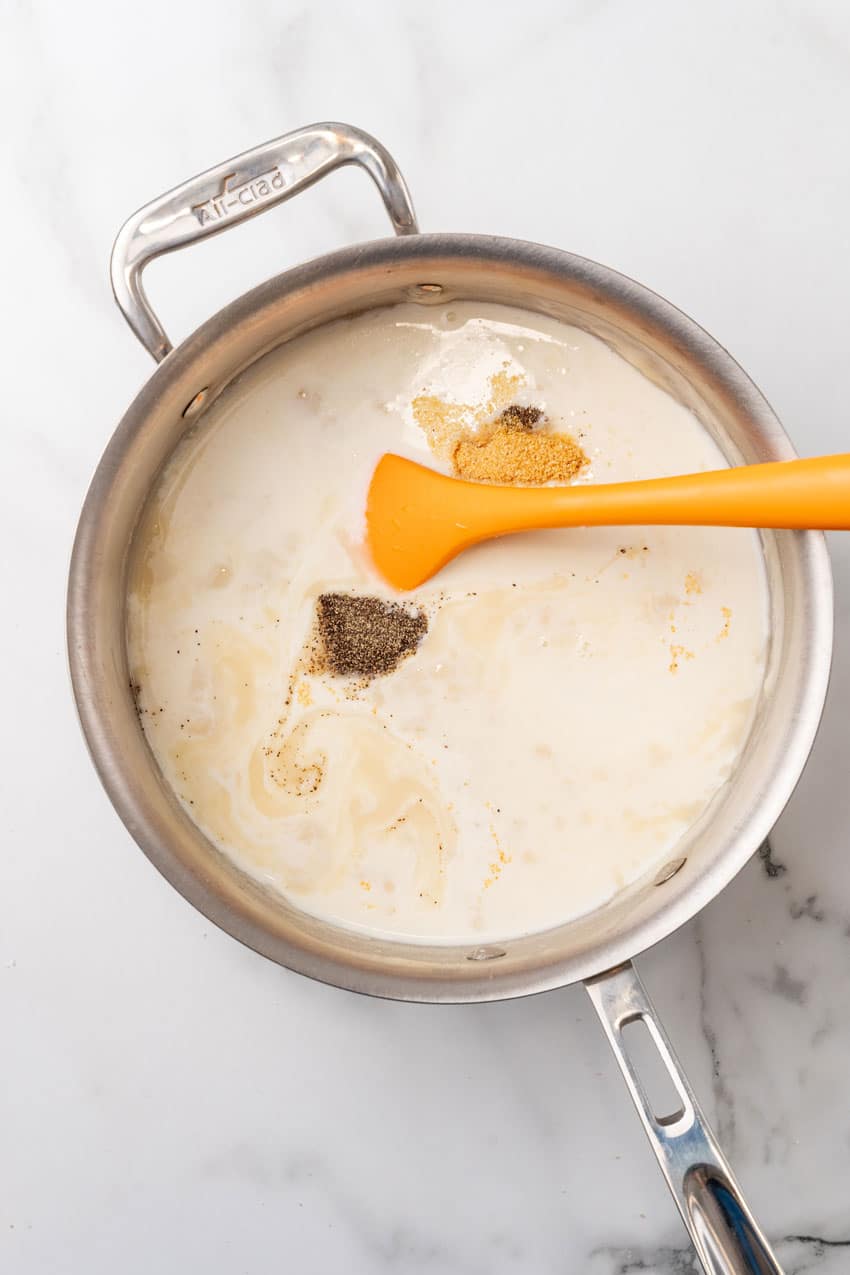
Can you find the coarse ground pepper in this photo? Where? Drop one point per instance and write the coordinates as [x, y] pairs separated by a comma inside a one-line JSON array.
[[364, 636]]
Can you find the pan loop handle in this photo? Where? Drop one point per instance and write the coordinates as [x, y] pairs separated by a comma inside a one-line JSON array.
[[723, 1231], [234, 191]]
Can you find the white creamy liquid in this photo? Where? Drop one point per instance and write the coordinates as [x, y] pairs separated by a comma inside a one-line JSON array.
[[580, 695]]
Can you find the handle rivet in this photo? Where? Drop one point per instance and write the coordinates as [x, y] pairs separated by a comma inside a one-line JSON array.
[[669, 870], [425, 291], [194, 405]]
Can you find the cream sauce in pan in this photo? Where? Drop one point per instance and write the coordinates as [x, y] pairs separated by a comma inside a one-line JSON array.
[[578, 699]]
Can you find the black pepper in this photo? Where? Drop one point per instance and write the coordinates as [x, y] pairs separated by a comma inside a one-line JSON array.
[[518, 417], [365, 636]]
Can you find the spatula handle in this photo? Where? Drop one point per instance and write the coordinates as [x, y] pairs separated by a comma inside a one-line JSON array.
[[812, 493]]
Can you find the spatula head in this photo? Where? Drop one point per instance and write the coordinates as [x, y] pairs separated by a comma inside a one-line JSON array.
[[416, 520]]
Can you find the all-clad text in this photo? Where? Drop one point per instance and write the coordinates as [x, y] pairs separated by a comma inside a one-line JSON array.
[[234, 198]]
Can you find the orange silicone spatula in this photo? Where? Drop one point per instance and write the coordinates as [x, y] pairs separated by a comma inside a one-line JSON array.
[[418, 520]]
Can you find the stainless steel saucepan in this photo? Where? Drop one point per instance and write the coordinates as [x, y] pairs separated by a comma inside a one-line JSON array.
[[668, 348]]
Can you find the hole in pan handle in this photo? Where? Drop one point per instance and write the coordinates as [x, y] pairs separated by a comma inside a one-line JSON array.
[[724, 1233], [232, 192]]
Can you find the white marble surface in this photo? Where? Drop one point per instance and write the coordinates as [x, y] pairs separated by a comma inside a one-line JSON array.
[[172, 1102]]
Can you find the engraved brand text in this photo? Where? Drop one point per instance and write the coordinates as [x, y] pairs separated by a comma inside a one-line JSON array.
[[233, 198]]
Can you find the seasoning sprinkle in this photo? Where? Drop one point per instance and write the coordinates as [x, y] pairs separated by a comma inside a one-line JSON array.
[[365, 636], [515, 452]]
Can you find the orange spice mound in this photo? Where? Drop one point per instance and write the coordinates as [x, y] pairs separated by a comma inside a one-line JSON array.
[[523, 456], [441, 423], [444, 423]]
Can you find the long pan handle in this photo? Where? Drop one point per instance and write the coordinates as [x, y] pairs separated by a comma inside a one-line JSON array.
[[726, 1236]]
